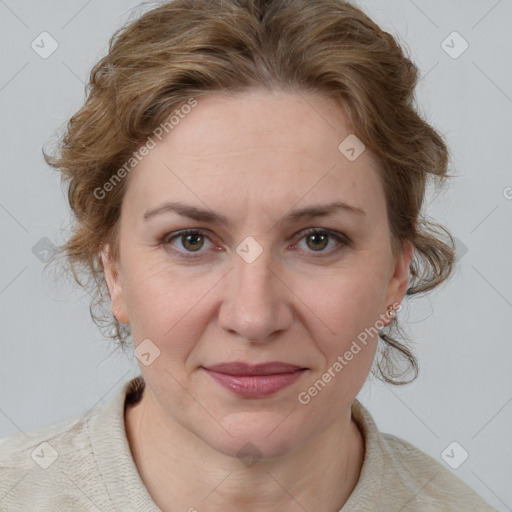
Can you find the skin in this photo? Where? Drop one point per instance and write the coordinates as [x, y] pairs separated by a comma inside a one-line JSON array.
[[252, 157]]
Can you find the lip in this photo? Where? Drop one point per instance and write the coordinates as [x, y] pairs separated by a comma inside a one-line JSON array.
[[246, 369], [255, 381]]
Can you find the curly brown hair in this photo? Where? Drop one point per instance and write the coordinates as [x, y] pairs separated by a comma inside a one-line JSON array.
[[186, 48]]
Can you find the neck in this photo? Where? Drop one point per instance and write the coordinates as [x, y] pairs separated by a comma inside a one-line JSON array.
[[319, 475]]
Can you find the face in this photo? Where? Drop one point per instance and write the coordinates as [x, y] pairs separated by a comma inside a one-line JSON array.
[[263, 284]]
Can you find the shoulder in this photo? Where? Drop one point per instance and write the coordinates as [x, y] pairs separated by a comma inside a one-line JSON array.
[[395, 472], [431, 485], [81, 463], [49, 468]]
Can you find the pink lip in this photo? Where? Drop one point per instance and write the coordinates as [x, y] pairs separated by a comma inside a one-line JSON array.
[[255, 381]]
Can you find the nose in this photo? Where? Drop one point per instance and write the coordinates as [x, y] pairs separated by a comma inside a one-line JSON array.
[[256, 302]]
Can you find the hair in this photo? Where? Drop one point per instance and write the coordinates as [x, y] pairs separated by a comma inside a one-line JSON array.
[[184, 49]]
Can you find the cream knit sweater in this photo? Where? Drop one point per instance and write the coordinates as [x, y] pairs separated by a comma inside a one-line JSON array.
[[84, 463]]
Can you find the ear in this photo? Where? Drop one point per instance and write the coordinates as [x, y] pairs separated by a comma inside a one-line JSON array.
[[399, 280], [115, 286]]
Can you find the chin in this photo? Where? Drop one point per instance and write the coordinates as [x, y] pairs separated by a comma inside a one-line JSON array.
[[253, 449], [254, 436]]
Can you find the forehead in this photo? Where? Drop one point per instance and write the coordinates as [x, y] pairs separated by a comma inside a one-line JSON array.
[[254, 148]]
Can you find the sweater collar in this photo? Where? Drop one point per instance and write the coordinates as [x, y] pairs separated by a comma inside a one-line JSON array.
[[126, 488], [113, 455]]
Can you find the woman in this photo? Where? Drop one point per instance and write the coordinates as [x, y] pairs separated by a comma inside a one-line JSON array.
[[247, 179]]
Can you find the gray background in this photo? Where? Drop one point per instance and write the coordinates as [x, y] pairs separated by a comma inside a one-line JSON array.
[[53, 360]]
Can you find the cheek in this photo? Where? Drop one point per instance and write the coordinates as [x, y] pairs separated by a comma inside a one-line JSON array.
[[164, 305], [347, 355], [348, 343], [172, 305], [347, 304]]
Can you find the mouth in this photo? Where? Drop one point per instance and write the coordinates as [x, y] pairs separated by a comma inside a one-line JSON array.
[[255, 381]]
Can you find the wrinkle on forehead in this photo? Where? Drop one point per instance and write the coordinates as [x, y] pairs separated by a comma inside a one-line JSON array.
[[260, 150]]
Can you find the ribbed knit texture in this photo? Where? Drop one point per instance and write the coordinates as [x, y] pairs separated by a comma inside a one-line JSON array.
[[95, 471]]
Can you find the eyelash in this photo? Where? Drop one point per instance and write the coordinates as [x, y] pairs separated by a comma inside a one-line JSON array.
[[341, 238]]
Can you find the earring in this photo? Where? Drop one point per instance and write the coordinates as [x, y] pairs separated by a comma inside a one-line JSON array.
[[115, 312]]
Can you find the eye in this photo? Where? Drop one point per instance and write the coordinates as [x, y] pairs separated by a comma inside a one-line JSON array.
[[193, 240], [316, 240]]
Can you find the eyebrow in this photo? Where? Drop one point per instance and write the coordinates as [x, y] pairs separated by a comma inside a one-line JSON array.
[[205, 215]]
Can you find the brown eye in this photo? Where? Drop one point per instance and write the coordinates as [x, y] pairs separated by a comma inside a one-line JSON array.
[[191, 241], [318, 241]]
